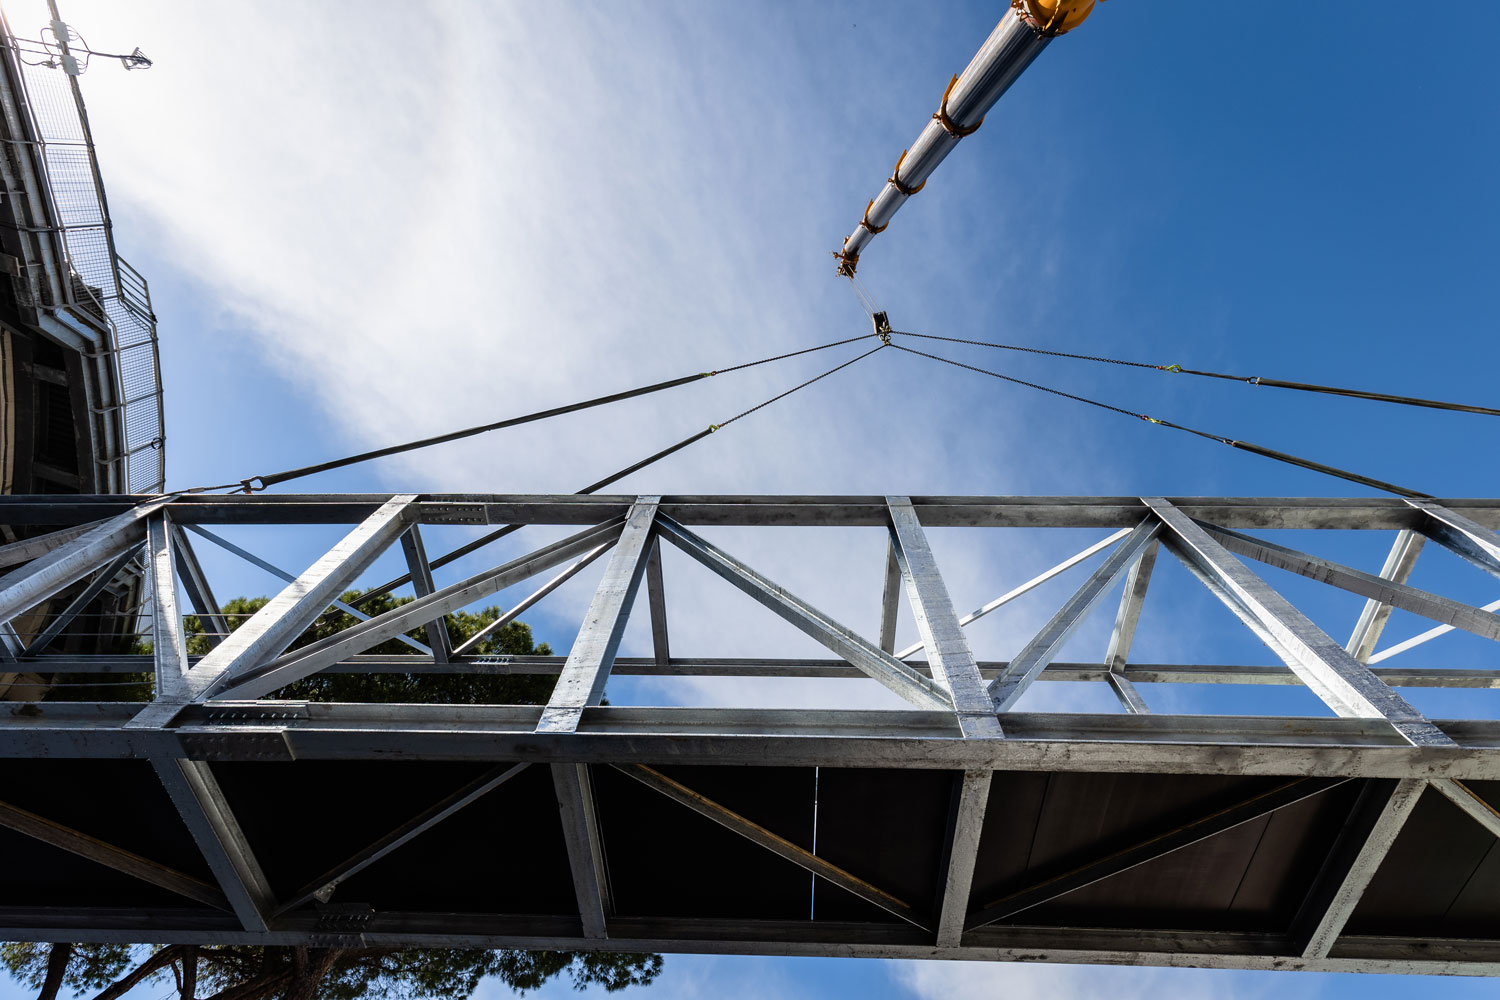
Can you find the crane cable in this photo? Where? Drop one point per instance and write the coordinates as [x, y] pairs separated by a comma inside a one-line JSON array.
[[256, 484], [499, 533], [1271, 453], [866, 300], [1331, 390]]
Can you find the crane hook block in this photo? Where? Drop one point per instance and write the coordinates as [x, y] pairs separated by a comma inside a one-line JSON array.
[[882, 327]]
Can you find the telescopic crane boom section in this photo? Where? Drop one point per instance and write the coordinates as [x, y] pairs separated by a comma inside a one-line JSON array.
[[1018, 39]]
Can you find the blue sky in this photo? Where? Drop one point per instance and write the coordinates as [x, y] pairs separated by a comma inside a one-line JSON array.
[[367, 222]]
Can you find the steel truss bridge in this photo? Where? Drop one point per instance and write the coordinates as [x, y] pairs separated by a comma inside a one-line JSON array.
[[955, 828]]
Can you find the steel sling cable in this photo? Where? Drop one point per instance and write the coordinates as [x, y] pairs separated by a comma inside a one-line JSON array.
[[274, 478], [1272, 453], [499, 533], [1379, 397]]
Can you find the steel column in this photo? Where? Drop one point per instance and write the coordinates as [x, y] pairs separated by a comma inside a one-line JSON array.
[[890, 604]]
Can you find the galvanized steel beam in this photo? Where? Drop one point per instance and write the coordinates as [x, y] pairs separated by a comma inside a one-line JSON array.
[[24, 588], [1029, 663], [322, 887], [1470, 802], [948, 655], [282, 574], [85, 597], [580, 825], [656, 594], [519, 608], [106, 854], [1460, 534], [1386, 592], [1375, 614], [971, 798], [27, 549], [1029, 585], [168, 638], [1344, 684], [195, 584], [1372, 829], [201, 803], [276, 625], [1247, 513], [373, 631], [422, 586], [581, 683], [1126, 619], [899, 677]]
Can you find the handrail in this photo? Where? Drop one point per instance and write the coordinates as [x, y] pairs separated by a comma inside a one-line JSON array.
[[97, 282]]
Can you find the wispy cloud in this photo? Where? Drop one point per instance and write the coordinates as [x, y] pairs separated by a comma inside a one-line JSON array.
[[430, 216], [988, 980]]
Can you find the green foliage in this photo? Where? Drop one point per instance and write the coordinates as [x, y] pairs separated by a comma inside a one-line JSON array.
[[421, 973], [373, 974], [93, 966], [512, 639]]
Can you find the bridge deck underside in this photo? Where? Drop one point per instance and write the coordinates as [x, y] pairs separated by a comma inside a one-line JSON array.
[[498, 872]]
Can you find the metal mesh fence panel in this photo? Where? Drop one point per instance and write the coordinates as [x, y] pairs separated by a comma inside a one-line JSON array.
[[100, 283]]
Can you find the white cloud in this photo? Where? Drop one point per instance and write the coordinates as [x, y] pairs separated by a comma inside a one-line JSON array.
[[990, 980], [428, 216]]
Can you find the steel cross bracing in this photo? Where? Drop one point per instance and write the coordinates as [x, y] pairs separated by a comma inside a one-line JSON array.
[[1362, 838]]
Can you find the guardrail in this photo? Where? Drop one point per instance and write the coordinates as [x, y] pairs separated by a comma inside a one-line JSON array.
[[99, 282]]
